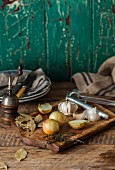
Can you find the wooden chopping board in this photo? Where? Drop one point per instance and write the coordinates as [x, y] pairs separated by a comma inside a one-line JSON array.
[[67, 136]]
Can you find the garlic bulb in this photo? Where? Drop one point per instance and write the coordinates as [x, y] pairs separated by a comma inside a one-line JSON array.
[[91, 115], [67, 108]]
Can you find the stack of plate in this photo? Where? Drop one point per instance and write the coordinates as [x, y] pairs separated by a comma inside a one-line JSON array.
[[41, 85]]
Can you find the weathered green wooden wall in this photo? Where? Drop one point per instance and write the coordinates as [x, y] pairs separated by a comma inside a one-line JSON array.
[[61, 36]]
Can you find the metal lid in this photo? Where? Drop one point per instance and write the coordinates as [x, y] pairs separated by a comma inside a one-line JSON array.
[[10, 100]]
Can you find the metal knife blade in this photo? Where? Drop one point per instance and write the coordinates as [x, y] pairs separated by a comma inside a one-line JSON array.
[[28, 80]]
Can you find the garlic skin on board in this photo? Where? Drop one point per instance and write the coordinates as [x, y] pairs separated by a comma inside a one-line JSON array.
[[91, 115], [67, 108]]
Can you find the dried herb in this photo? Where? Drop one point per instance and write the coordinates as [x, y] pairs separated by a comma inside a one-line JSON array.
[[57, 137], [3, 165], [20, 154], [72, 133]]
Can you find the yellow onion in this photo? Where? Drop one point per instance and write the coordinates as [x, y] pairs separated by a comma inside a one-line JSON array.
[[50, 126], [58, 116]]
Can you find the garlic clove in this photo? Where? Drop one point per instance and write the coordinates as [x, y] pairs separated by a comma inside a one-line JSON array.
[[74, 107], [91, 115], [62, 107], [78, 124], [80, 116]]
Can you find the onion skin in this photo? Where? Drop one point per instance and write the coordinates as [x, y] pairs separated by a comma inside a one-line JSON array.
[[58, 116], [50, 126]]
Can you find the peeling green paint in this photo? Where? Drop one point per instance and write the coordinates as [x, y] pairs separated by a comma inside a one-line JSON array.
[[61, 36]]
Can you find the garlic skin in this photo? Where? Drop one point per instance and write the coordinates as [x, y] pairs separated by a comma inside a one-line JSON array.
[[91, 115], [67, 108]]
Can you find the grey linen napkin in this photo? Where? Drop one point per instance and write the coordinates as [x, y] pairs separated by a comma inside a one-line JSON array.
[[41, 82], [102, 83]]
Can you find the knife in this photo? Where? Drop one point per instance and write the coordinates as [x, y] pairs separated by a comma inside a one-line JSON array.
[[27, 82]]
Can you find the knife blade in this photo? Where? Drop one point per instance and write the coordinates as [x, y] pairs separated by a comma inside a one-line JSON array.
[[26, 82]]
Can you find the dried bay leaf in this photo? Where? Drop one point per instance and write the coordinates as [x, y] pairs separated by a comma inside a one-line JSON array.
[[23, 118], [21, 154], [31, 125], [26, 122], [3, 165]]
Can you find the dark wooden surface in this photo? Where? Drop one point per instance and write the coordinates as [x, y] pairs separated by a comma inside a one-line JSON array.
[[97, 153]]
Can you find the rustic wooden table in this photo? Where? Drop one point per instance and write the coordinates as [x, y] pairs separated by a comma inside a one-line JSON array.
[[98, 152]]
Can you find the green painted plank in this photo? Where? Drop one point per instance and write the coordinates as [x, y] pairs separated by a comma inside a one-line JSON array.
[[33, 37], [57, 42], [9, 32], [80, 36], [103, 31], [23, 29]]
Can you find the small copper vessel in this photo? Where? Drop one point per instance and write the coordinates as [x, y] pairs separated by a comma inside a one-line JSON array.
[[9, 105]]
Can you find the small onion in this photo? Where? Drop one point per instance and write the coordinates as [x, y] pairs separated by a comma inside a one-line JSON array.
[[58, 116], [67, 108], [50, 127], [45, 108]]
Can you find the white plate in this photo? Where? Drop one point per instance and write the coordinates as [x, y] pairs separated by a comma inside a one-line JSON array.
[[33, 96]]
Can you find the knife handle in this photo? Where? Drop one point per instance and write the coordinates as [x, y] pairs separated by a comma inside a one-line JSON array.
[[21, 91]]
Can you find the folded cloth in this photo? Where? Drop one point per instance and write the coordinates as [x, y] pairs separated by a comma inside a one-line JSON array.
[[41, 82], [101, 83]]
